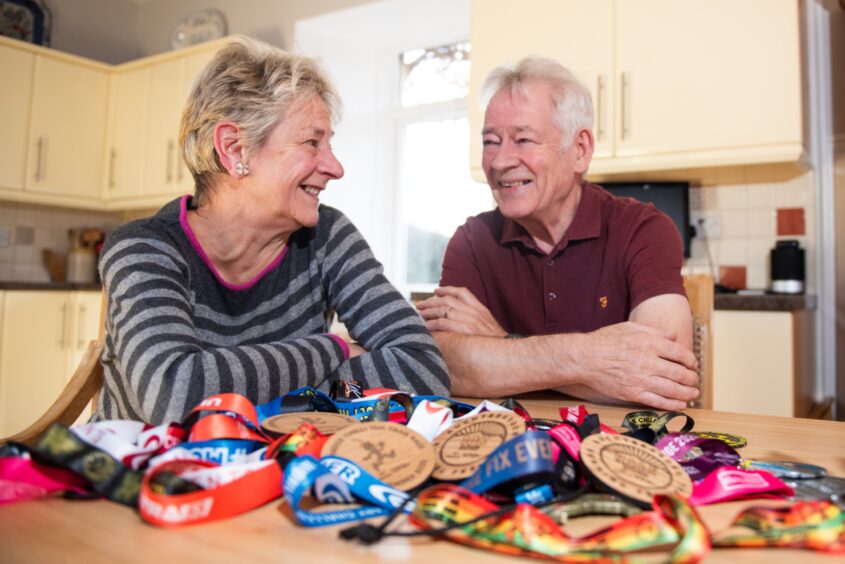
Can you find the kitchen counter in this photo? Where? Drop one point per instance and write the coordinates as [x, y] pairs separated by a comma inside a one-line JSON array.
[[765, 302], [50, 286]]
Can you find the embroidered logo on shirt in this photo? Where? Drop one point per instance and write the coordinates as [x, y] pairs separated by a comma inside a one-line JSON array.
[[603, 302]]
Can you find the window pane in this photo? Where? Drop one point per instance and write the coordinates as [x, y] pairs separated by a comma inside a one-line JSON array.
[[435, 75], [438, 193]]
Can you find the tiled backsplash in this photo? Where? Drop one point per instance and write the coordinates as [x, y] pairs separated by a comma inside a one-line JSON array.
[[754, 206], [26, 230]]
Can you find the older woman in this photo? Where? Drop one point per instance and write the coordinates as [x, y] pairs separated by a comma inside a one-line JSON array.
[[227, 291]]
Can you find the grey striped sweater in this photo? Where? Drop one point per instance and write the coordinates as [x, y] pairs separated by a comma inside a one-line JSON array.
[[175, 334]]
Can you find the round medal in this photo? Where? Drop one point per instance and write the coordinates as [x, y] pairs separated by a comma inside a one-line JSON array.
[[464, 446], [391, 452], [632, 468], [325, 422]]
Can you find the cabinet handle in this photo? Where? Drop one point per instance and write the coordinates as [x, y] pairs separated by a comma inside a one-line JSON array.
[[39, 145], [169, 161], [626, 129], [80, 327], [112, 156], [64, 326], [599, 97], [180, 167]]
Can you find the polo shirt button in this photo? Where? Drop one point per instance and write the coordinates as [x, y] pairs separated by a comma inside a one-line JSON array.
[[550, 262], [552, 296]]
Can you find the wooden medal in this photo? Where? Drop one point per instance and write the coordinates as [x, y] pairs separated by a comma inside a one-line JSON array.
[[325, 422], [632, 468], [391, 452], [462, 448]]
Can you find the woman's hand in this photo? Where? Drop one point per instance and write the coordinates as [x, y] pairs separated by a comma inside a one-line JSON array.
[[356, 350], [457, 310]]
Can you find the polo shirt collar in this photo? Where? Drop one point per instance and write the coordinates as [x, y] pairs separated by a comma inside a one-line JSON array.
[[585, 225]]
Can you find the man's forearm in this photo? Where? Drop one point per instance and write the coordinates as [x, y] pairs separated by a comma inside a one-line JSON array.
[[495, 367]]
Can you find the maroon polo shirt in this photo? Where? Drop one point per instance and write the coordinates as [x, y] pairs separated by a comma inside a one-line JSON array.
[[617, 253]]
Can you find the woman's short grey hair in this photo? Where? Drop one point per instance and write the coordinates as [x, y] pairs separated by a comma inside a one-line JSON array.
[[572, 102], [250, 83]]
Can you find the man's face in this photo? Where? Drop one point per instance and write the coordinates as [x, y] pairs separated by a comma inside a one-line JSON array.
[[531, 178]]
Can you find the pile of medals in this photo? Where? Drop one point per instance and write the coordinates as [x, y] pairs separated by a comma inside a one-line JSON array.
[[488, 476]]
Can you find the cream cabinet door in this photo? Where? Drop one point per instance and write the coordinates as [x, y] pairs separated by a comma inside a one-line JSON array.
[[698, 76], [578, 34], [67, 131], [125, 167], [84, 319], [192, 66], [15, 100], [162, 145], [33, 356]]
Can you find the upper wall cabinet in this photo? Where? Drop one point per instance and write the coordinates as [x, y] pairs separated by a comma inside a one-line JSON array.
[[15, 101], [126, 151], [53, 126], [675, 83], [83, 134], [145, 112], [67, 129]]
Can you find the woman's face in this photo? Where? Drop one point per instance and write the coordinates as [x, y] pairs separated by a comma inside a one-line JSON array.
[[293, 167]]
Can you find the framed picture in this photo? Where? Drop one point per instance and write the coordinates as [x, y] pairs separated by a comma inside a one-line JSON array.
[[27, 20]]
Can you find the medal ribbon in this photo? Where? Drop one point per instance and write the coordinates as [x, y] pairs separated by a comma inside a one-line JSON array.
[[527, 531], [817, 525]]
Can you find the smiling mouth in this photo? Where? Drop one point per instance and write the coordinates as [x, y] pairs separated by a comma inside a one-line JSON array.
[[312, 190], [514, 183]]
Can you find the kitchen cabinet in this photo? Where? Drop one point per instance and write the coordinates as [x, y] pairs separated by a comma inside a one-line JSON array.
[[43, 337], [170, 82], [15, 100], [126, 155], [762, 363], [675, 83], [83, 134], [67, 129]]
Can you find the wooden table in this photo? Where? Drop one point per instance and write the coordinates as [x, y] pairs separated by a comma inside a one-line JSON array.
[[101, 531]]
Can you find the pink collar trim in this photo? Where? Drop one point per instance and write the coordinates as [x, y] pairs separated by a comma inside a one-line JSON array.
[[189, 233]]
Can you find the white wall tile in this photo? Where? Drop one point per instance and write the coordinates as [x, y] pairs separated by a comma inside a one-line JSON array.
[[734, 223], [731, 252], [761, 222]]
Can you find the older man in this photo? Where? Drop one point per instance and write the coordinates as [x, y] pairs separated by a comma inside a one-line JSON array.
[[563, 286]]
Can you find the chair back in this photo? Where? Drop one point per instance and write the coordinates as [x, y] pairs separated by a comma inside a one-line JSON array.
[[699, 288]]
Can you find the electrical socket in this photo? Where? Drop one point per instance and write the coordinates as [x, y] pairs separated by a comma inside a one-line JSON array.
[[708, 226], [5, 236]]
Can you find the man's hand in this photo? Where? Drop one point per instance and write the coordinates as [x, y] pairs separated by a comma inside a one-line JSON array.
[[632, 362], [456, 310]]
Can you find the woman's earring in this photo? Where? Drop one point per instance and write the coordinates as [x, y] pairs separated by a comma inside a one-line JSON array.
[[241, 169]]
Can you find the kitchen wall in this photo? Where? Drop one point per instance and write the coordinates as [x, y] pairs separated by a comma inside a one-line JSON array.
[[103, 30], [116, 31], [25, 231], [749, 209]]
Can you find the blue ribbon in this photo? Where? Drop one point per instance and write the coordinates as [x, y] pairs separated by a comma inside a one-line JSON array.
[[223, 451], [337, 480], [527, 457]]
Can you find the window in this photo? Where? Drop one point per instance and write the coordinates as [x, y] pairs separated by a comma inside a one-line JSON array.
[[436, 192]]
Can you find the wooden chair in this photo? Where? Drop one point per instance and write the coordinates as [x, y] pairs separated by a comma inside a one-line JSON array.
[[82, 388], [699, 288]]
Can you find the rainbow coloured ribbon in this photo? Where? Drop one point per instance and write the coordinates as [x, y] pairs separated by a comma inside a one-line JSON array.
[[817, 525], [527, 531]]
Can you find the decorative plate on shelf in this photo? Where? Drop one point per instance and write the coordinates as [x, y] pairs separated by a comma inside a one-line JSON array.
[[27, 20], [198, 27]]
